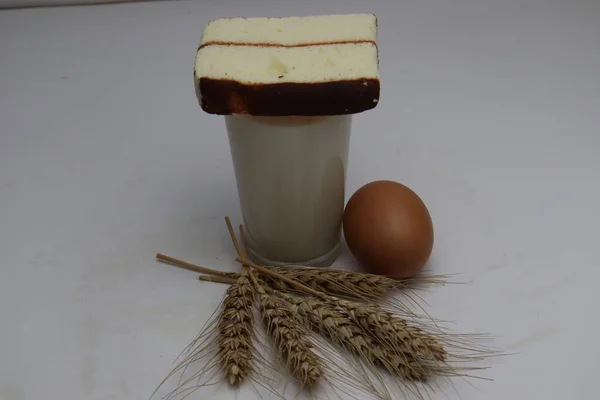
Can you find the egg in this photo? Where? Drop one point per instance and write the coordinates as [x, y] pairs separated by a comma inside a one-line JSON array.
[[388, 229]]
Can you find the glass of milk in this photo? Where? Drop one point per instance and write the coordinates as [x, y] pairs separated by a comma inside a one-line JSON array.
[[290, 174]]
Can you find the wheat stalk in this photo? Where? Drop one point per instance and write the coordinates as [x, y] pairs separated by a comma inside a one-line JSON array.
[[327, 280], [336, 282], [385, 327], [293, 298], [290, 337], [235, 331], [225, 342], [394, 331], [336, 325], [357, 286], [371, 317], [346, 283]]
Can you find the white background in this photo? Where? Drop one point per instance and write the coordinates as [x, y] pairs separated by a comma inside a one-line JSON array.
[[54, 3], [490, 110]]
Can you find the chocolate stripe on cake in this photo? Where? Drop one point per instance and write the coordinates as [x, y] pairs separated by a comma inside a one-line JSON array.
[[270, 44], [225, 97]]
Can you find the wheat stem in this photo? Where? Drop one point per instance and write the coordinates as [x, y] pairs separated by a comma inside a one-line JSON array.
[[217, 279], [360, 326], [191, 267], [244, 248], [279, 276], [234, 238]]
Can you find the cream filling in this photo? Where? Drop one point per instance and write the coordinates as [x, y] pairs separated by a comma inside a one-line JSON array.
[[312, 64], [292, 30]]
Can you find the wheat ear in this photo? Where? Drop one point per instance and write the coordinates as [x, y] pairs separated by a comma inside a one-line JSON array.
[[235, 331], [384, 325], [333, 323], [290, 337], [357, 286], [403, 349], [327, 280], [235, 324], [394, 331], [346, 283]]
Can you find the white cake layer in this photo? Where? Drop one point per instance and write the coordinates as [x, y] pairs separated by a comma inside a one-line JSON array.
[[312, 64], [292, 30]]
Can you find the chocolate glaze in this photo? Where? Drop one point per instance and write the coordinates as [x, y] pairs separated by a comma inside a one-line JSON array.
[[225, 97], [273, 44]]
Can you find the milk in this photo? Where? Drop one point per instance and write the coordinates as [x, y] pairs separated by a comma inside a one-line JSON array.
[[290, 174]]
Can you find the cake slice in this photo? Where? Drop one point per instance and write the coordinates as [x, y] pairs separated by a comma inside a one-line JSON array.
[[323, 65]]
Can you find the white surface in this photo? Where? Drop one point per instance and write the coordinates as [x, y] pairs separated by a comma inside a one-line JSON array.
[[57, 3], [489, 110]]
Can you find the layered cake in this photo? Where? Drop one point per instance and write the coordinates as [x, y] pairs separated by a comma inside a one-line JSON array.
[[303, 66]]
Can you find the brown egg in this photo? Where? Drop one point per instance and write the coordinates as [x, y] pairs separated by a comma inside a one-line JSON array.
[[388, 229]]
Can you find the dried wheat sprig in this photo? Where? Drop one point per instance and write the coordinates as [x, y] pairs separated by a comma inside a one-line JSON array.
[[394, 331], [423, 344], [408, 351], [344, 332], [235, 324], [334, 324], [293, 346], [386, 327], [360, 286], [217, 279], [306, 365], [328, 280], [369, 315], [290, 337], [347, 283], [299, 286], [356, 285], [407, 347], [235, 331], [193, 267], [401, 342]]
